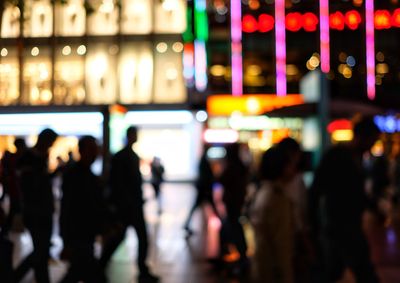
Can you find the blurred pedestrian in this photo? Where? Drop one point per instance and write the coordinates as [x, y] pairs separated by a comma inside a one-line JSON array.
[[337, 203], [127, 197], [157, 177], [38, 204], [83, 210]]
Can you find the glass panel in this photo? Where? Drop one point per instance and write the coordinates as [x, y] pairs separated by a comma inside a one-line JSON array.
[[136, 73], [37, 76], [70, 18], [9, 76], [104, 19], [169, 86], [170, 16], [69, 75], [10, 22], [136, 17], [101, 82], [38, 18]]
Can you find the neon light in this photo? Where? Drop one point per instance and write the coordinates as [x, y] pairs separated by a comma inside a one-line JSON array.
[[265, 23], [200, 65], [370, 47], [280, 47], [294, 21], [353, 19], [310, 22], [249, 24], [201, 20], [221, 136], [236, 47], [382, 19], [188, 64], [188, 35], [324, 35]]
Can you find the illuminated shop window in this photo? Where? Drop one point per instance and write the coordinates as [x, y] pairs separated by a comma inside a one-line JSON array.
[[38, 18], [10, 22], [136, 17], [69, 75], [9, 75], [37, 76], [169, 85], [100, 74], [104, 19], [70, 18], [170, 16], [136, 73]]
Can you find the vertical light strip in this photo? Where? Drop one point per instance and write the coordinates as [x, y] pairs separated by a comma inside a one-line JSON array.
[[201, 19], [280, 47], [324, 35], [370, 47], [236, 47], [188, 64], [200, 59]]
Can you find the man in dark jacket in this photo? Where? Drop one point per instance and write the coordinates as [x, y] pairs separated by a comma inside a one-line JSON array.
[[127, 197], [82, 212], [337, 203]]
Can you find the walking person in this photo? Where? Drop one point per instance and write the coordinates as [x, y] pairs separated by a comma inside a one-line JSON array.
[[157, 177], [127, 197], [38, 205]]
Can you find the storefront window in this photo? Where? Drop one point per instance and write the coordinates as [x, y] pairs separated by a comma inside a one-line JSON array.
[[10, 22], [38, 18], [170, 16], [9, 76], [69, 75], [136, 17], [104, 18], [37, 76], [169, 85], [101, 83], [136, 73], [70, 18]]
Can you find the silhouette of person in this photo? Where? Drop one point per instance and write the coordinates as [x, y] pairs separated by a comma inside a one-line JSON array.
[[38, 204], [157, 177], [127, 197], [204, 185], [337, 203], [82, 212], [234, 180]]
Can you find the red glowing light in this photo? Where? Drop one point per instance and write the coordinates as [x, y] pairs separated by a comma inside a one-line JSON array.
[[396, 18], [341, 124], [353, 19], [294, 21], [382, 19], [310, 22], [336, 21], [265, 23], [249, 24]]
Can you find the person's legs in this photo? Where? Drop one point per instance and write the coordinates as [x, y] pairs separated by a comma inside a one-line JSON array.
[[41, 238], [196, 204], [141, 231], [111, 244]]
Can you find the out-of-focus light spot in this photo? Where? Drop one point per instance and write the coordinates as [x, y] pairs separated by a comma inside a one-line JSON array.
[[81, 50], [378, 80], [35, 51], [336, 21], [216, 152], [253, 106], [177, 47], [347, 72], [314, 61], [114, 49], [310, 22], [201, 116], [382, 19], [66, 50], [342, 135], [294, 21], [351, 61], [162, 47], [254, 4], [309, 66], [221, 136], [292, 70], [217, 70], [342, 57], [380, 57], [253, 70], [353, 19], [378, 149], [396, 18], [357, 3], [266, 23], [4, 52], [249, 24], [382, 68]]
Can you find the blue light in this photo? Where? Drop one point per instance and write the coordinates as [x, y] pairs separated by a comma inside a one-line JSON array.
[[351, 61]]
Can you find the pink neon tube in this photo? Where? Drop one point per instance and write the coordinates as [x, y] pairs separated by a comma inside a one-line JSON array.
[[280, 46], [370, 46], [236, 47], [324, 35]]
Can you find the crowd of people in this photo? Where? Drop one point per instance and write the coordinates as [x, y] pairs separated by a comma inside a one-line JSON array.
[[301, 235]]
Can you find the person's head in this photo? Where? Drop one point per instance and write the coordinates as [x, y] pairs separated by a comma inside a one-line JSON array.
[[20, 144], [232, 152], [131, 135], [366, 133], [293, 149], [88, 150], [46, 139]]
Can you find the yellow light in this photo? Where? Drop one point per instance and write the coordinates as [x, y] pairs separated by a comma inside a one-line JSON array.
[[177, 47], [81, 50], [162, 47], [347, 72], [342, 135], [66, 50], [4, 52], [378, 80], [292, 70], [253, 106], [382, 68], [357, 3], [253, 70], [35, 51], [309, 67], [378, 148], [314, 61], [217, 70], [380, 57]]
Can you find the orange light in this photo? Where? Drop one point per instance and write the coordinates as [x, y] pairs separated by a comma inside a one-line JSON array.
[[336, 21], [382, 19], [353, 19], [225, 105], [310, 22], [294, 21], [396, 18], [341, 124], [265, 23], [249, 24]]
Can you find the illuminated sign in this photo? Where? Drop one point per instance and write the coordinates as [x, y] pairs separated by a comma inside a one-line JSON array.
[[295, 21], [341, 124], [225, 105], [221, 136], [388, 124]]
